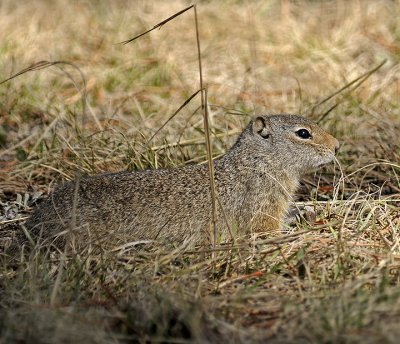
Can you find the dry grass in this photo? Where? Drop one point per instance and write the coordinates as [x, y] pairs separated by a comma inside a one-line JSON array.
[[336, 280]]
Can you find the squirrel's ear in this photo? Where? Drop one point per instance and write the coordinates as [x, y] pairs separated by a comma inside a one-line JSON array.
[[261, 127]]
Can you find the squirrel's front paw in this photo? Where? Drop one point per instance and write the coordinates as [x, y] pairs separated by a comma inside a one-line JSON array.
[[300, 214]]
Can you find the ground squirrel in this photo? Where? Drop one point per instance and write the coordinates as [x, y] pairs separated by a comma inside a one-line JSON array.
[[254, 183]]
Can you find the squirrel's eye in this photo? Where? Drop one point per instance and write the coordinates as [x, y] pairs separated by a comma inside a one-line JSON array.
[[303, 133]]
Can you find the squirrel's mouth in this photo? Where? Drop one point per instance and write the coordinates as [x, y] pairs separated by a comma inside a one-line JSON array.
[[325, 160]]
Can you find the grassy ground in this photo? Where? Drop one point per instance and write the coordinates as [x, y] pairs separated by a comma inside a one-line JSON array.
[[336, 280]]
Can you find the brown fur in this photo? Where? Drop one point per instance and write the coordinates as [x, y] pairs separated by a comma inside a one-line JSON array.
[[254, 182]]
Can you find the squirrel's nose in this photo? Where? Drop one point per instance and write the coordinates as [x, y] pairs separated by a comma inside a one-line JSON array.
[[336, 145]]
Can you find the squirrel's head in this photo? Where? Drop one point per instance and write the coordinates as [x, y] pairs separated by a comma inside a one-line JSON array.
[[299, 144]]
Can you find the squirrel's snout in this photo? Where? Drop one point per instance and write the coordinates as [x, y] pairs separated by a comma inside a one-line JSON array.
[[332, 143], [336, 145]]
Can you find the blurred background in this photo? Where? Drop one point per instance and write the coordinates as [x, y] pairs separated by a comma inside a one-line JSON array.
[[257, 57]]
